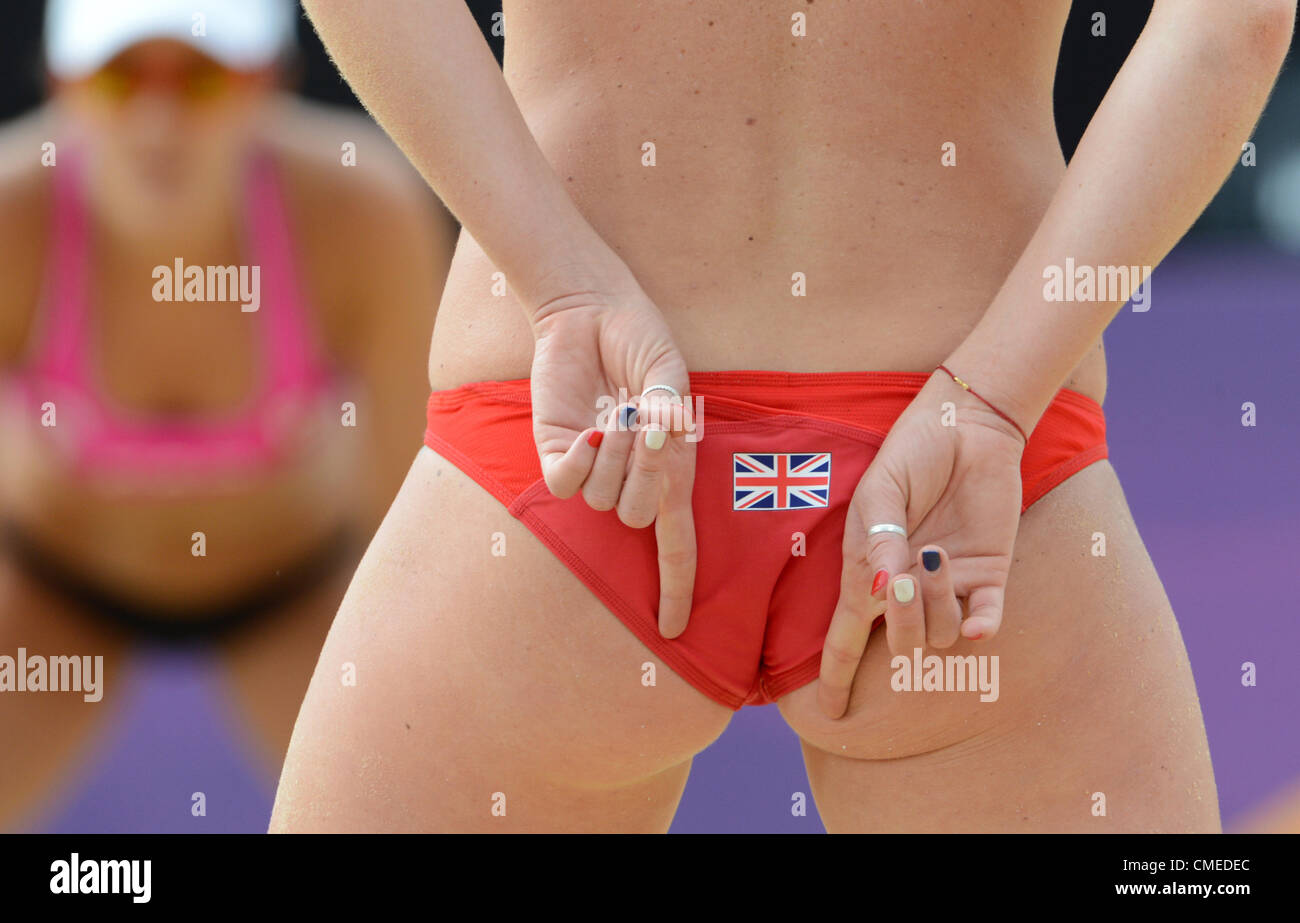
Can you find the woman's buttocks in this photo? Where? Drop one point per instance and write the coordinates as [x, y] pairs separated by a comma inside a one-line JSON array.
[[848, 199]]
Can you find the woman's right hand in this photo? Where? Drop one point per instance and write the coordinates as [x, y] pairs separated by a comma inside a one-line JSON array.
[[590, 343]]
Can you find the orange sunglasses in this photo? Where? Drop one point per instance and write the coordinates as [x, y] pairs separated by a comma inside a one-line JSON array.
[[198, 80]]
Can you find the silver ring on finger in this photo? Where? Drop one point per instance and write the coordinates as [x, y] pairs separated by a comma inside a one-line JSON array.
[[887, 527], [669, 388]]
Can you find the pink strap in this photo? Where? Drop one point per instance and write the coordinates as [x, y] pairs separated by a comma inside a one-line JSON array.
[[61, 346], [293, 352]]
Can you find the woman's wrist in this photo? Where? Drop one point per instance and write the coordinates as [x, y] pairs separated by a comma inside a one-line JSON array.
[[945, 389], [946, 372], [578, 275], [1004, 374]]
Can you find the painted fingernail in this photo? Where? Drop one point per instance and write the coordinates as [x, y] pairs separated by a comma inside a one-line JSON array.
[[977, 637], [878, 583], [904, 589], [931, 560], [626, 416], [594, 439], [655, 438]]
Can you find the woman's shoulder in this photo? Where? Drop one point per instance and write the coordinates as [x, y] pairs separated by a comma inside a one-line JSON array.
[[358, 210], [340, 161], [29, 150], [351, 194]]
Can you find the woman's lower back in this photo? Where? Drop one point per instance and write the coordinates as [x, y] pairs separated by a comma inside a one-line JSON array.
[[825, 202]]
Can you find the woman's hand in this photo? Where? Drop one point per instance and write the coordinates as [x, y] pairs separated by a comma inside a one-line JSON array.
[[590, 343], [957, 491]]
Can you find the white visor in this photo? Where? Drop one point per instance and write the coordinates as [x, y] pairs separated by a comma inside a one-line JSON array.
[[83, 35]]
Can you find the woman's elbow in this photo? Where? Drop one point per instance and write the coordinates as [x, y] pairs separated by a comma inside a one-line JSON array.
[[1271, 23], [1255, 33], [1265, 26]]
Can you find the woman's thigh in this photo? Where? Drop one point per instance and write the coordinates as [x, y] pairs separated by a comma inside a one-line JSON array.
[[1096, 725], [469, 673]]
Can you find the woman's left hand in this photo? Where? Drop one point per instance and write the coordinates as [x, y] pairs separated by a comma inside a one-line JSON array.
[[957, 490]]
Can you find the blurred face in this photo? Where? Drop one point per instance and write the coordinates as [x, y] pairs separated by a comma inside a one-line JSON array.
[[165, 127]]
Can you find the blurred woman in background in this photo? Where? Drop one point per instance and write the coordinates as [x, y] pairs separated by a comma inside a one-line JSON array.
[[177, 462]]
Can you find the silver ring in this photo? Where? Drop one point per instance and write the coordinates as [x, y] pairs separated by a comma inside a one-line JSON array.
[[887, 527], [669, 388]]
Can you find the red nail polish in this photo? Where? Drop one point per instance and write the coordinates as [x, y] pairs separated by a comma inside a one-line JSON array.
[[977, 637], [878, 583], [594, 439]]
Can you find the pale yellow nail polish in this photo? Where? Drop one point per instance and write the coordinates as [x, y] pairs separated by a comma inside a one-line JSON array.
[[904, 589], [655, 438]]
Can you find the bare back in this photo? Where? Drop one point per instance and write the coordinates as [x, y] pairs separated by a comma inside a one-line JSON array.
[[776, 154]]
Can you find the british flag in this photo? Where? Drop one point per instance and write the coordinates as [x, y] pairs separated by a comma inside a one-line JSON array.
[[768, 481]]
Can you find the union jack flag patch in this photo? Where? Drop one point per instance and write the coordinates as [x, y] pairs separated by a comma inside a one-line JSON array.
[[768, 481]]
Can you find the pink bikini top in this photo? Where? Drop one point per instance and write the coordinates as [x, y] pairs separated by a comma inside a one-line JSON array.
[[101, 437]]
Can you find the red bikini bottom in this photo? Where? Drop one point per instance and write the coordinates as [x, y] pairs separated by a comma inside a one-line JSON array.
[[781, 454]]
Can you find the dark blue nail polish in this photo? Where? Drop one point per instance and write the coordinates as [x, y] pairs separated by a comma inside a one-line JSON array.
[[628, 415], [931, 560]]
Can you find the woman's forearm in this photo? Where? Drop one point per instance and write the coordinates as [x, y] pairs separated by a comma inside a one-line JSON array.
[[423, 70], [1159, 147]]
